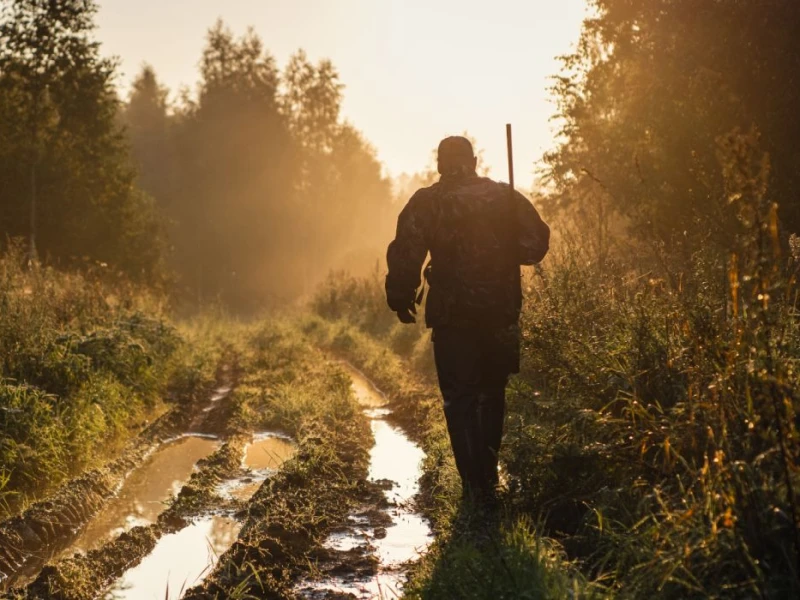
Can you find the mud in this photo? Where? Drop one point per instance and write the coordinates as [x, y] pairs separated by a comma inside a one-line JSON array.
[[263, 457], [188, 553], [365, 558], [144, 493], [50, 527], [292, 513]]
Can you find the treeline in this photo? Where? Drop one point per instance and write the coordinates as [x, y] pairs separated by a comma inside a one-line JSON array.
[[66, 182], [264, 185], [246, 190]]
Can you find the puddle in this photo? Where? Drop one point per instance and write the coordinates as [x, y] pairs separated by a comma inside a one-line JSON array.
[[139, 501], [268, 451], [263, 457], [179, 561], [397, 460], [182, 560], [363, 389], [144, 492]]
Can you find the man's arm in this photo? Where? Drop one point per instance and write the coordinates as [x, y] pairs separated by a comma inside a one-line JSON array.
[[405, 256], [534, 234]]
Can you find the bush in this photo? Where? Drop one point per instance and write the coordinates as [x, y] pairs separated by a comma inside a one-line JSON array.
[[82, 363]]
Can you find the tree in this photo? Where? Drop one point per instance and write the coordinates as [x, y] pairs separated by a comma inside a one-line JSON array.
[[235, 171], [63, 152], [148, 124], [650, 96], [264, 186]]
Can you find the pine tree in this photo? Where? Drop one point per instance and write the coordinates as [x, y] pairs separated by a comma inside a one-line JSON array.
[[68, 183]]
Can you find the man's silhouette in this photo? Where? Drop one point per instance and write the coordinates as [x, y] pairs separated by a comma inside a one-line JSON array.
[[478, 233]]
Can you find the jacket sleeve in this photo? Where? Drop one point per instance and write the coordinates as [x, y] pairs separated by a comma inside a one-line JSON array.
[[406, 254], [534, 234]]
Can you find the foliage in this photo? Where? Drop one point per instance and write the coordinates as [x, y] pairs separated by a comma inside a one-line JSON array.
[[67, 179], [265, 186], [652, 429], [652, 91], [84, 363]]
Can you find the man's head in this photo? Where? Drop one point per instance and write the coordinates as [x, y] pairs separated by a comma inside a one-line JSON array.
[[456, 156]]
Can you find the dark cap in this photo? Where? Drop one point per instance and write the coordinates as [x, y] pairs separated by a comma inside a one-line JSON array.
[[455, 150]]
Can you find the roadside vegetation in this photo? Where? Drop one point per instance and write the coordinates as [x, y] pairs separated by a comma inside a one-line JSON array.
[[651, 434], [87, 362]]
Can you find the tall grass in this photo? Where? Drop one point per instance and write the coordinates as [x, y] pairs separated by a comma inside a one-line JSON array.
[[83, 364], [653, 429]]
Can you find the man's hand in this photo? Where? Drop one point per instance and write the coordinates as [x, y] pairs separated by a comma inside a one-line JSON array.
[[407, 315]]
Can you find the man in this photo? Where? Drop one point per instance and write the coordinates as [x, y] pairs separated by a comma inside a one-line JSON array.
[[478, 234]]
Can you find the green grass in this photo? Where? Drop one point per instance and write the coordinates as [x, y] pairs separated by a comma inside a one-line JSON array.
[[651, 434], [85, 363]]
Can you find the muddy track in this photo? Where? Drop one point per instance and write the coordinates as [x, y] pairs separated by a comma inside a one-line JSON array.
[[338, 520], [87, 576], [48, 527], [292, 514], [288, 534]]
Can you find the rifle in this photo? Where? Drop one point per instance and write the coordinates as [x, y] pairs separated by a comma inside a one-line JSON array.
[[510, 145], [514, 225]]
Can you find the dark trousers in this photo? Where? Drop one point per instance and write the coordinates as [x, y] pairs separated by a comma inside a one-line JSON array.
[[473, 369]]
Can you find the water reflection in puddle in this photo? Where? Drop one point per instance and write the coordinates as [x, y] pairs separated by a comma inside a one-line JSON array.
[[183, 559], [179, 561], [363, 389], [263, 457], [142, 496]]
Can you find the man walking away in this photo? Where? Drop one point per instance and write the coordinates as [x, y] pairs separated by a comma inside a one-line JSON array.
[[478, 233]]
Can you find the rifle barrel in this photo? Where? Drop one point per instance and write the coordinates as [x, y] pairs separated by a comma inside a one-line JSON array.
[[510, 156]]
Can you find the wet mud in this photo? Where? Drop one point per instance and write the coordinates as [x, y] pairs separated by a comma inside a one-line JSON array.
[[262, 458], [189, 552], [291, 515], [366, 556], [144, 494], [49, 529]]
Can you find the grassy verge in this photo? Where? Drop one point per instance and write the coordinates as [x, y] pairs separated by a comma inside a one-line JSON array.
[[85, 365]]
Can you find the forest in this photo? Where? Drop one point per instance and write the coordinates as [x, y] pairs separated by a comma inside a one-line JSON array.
[[202, 270]]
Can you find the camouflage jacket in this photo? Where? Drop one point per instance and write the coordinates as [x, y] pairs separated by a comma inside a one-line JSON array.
[[477, 238]]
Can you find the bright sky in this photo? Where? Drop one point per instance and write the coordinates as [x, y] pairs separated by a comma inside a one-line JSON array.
[[414, 70]]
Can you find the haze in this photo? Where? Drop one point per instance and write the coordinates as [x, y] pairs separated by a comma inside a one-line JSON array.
[[414, 71]]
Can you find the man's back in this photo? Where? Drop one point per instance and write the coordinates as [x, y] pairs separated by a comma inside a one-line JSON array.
[[478, 234]]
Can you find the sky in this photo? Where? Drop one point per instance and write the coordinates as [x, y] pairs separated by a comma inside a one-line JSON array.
[[414, 71]]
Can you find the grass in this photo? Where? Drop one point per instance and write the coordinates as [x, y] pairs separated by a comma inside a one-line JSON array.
[[87, 361], [651, 435]]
